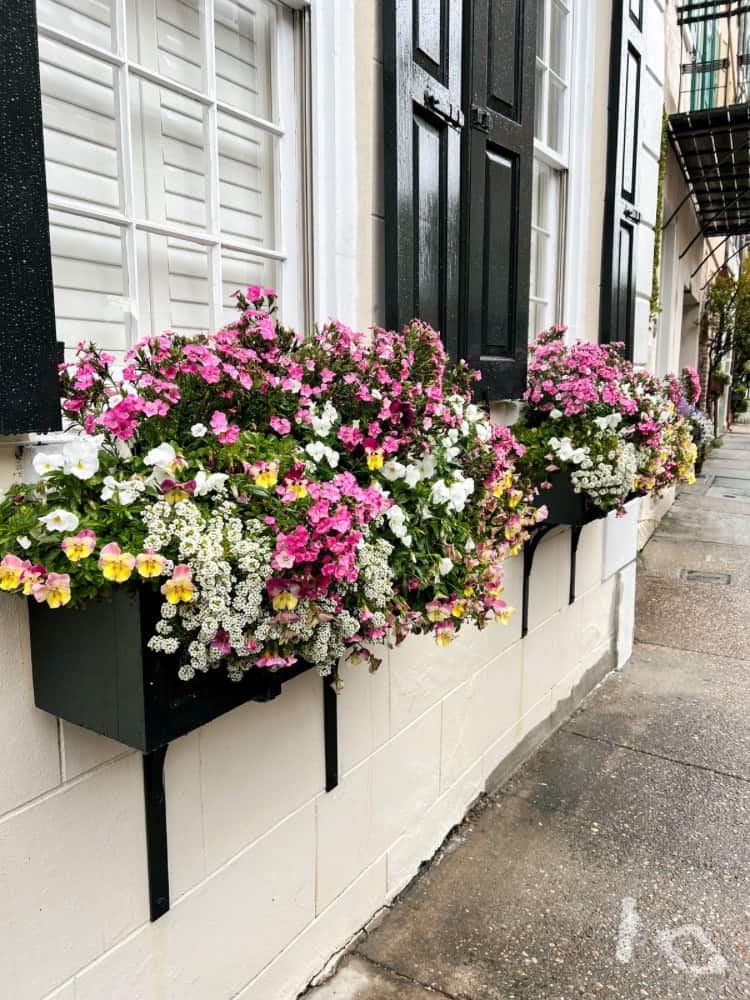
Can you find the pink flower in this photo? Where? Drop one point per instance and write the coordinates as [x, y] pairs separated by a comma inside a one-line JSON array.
[[225, 432], [280, 424]]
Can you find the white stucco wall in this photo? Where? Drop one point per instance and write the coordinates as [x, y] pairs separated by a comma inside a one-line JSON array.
[[270, 875]]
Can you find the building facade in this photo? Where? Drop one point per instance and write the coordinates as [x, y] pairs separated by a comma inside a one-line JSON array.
[[492, 167]]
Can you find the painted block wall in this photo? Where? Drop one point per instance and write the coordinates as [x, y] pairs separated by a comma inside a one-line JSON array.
[[270, 875]]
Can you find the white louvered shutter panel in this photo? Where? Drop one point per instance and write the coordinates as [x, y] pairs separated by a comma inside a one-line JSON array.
[[158, 218]]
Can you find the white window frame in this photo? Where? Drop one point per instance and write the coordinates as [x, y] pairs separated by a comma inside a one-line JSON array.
[[287, 114], [557, 161]]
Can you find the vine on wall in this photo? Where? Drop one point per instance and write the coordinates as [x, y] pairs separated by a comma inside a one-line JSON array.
[[655, 303]]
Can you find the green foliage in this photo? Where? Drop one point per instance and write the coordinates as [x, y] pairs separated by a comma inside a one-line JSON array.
[[655, 304]]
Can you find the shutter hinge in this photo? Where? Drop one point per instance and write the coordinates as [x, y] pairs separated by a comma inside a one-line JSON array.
[[450, 113], [480, 118], [633, 214]]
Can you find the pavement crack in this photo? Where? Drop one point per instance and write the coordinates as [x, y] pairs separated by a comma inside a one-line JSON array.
[[686, 649], [658, 756], [402, 977]]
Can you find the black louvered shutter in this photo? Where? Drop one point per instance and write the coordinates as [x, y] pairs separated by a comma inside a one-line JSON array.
[[29, 397], [422, 158], [621, 215], [498, 173]]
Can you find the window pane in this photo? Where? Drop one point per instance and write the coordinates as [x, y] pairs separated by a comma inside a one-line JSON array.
[[541, 28], [244, 35], [89, 280], [541, 79], [238, 271], [170, 168], [165, 35], [558, 43], [246, 172], [539, 200], [172, 285], [88, 20], [80, 134], [555, 115]]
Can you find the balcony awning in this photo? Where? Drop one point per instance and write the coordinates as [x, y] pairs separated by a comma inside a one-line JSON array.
[[713, 147]]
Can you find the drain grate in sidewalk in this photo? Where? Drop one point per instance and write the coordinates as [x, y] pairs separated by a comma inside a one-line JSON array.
[[704, 576]]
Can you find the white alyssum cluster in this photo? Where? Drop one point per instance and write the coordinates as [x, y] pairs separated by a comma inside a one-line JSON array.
[[376, 576], [230, 560], [612, 479]]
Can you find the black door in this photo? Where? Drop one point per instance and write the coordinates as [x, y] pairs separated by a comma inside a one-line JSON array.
[[498, 171], [422, 154], [621, 215]]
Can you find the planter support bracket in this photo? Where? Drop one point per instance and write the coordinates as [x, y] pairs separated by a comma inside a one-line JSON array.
[[575, 537], [529, 551], [156, 831], [156, 802]]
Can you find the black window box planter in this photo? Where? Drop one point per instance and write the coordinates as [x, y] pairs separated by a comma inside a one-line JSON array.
[[564, 505], [92, 667]]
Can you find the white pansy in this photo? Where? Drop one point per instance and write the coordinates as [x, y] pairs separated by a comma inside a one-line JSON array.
[[24, 541], [59, 520], [428, 465], [332, 457], [45, 462], [445, 566], [555, 414], [602, 423], [316, 450], [393, 470], [412, 475], [123, 493], [162, 456], [199, 430], [81, 457], [483, 430], [472, 413], [439, 492], [323, 421], [207, 483]]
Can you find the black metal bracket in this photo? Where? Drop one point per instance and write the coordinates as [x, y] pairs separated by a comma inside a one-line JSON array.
[[156, 831], [529, 551], [575, 537], [331, 733], [157, 851]]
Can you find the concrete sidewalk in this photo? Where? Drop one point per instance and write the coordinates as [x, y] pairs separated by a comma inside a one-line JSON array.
[[616, 862]]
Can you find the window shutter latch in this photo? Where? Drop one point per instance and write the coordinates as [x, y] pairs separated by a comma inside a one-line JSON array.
[[633, 214], [480, 118], [449, 113]]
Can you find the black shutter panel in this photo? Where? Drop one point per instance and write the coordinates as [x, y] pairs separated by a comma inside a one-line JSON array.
[[621, 215], [422, 160], [498, 172], [29, 397]]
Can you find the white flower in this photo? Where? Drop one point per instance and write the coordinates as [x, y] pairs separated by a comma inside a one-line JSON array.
[[429, 465], [59, 520], [412, 475], [473, 414], [446, 565], [555, 414], [439, 492], [162, 456], [332, 456], [24, 541], [393, 470], [82, 457], [483, 430], [109, 488], [199, 430], [123, 449], [579, 455], [602, 423], [45, 462], [206, 483], [316, 450]]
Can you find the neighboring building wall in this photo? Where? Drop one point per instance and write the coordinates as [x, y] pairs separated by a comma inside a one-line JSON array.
[[270, 875]]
